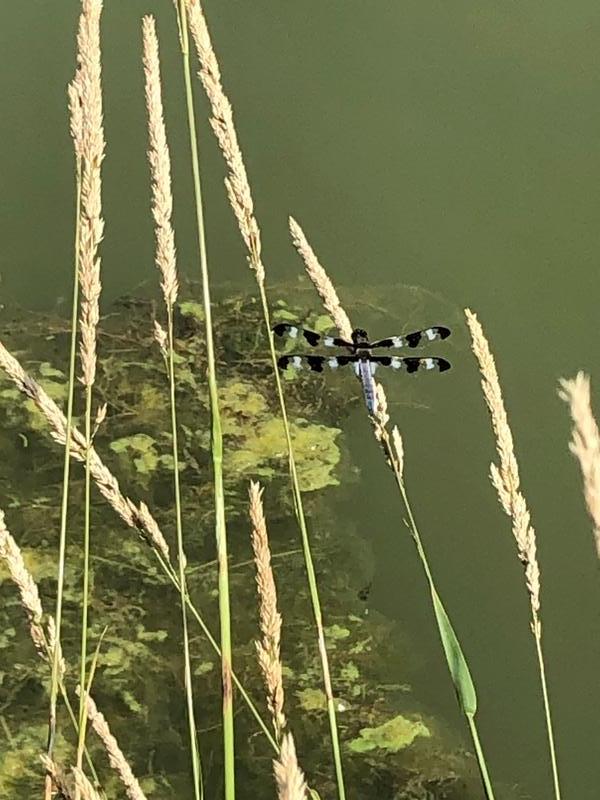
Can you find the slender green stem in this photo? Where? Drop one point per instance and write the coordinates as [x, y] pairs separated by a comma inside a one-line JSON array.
[[549, 728], [194, 746], [75, 723], [487, 784], [74, 720], [60, 578], [216, 434], [86, 572], [308, 559]]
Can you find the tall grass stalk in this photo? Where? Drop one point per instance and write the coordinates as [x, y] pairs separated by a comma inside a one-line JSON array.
[[137, 517], [240, 198], [505, 479], [76, 131], [216, 433], [91, 229], [165, 258], [393, 450]]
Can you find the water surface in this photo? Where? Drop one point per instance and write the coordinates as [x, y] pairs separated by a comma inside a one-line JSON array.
[[453, 147]]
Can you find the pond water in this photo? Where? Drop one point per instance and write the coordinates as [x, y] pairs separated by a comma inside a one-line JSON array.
[[449, 147]]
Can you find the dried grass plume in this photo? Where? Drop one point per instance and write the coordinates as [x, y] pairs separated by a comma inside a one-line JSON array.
[[288, 775], [160, 165], [585, 443], [505, 475], [115, 755], [87, 87], [83, 785], [138, 517], [11, 554], [63, 782], [76, 119], [399, 449], [236, 182], [268, 649], [321, 280]]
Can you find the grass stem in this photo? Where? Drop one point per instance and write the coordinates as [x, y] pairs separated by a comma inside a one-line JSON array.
[[165, 258], [216, 433], [240, 198], [64, 505]]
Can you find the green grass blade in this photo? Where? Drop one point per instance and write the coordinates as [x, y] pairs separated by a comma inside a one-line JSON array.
[[457, 664]]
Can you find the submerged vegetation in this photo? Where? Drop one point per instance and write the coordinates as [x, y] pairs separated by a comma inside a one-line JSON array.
[[155, 653], [137, 678]]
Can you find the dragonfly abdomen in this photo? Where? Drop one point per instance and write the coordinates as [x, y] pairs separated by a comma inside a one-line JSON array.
[[364, 370]]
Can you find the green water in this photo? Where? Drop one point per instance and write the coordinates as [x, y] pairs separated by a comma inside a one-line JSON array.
[[456, 147]]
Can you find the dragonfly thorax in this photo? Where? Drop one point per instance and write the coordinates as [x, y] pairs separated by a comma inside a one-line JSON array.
[[359, 336]]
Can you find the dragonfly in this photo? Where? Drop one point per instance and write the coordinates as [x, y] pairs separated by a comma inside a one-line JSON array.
[[359, 354]]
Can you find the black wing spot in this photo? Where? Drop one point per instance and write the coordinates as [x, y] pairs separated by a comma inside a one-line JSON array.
[[315, 363], [414, 339], [311, 337], [343, 360]]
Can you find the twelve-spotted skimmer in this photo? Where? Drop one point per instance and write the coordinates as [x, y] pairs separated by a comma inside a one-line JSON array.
[[360, 355]]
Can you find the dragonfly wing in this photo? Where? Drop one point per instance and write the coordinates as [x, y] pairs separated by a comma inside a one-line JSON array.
[[415, 339], [301, 361], [412, 364], [316, 363], [314, 339]]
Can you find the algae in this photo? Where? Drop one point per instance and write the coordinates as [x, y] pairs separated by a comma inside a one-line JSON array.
[[138, 680], [393, 735]]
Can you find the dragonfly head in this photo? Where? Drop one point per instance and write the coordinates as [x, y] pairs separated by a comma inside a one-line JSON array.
[[359, 336]]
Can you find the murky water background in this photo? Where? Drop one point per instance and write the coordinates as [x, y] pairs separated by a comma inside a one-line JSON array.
[[456, 147]]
